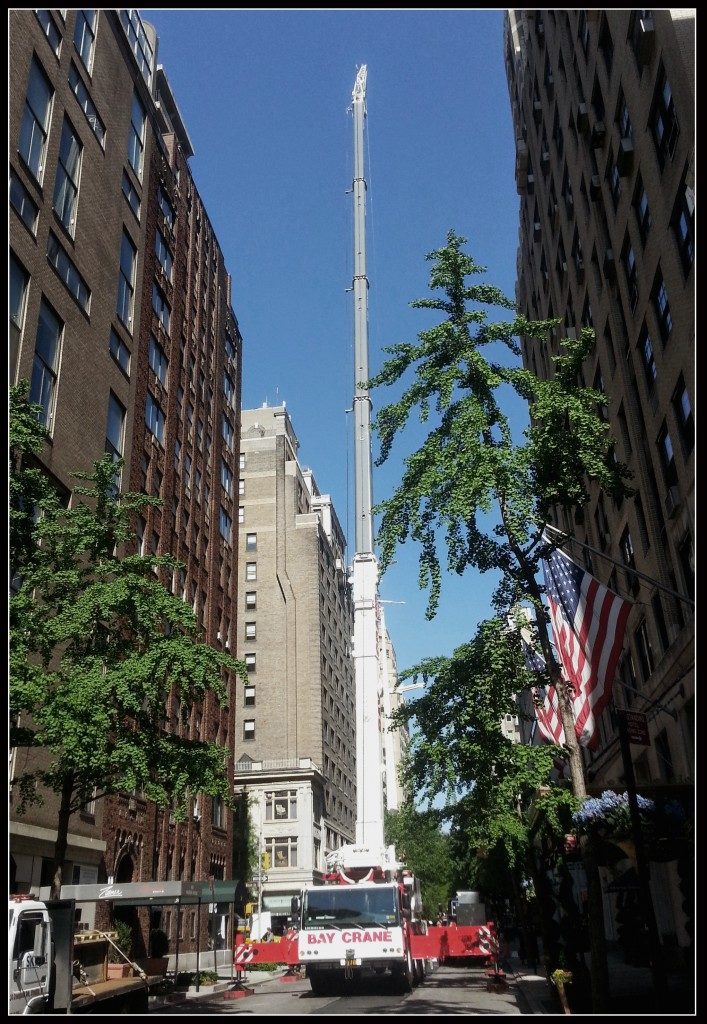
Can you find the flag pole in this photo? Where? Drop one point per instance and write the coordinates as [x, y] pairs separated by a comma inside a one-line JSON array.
[[622, 565]]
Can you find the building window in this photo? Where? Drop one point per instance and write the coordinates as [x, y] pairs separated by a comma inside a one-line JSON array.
[[642, 525], [35, 121], [226, 479], [186, 472], [22, 203], [640, 34], [136, 135], [665, 759], [686, 556], [166, 207], [164, 256], [251, 571], [645, 347], [131, 194], [229, 389], [606, 44], [46, 363], [249, 729], [659, 616], [283, 851], [86, 103], [250, 662], [50, 30], [667, 456], [161, 307], [249, 696], [126, 281], [120, 352], [158, 361], [663, 120], [281, 806], [683, 416], [218, 812], [623, 118], [251, 542], [628, 259], [115, 427], [137, 37], [251, 600], [241, 515], [241, 488], [614, 178], [60, 261], [683, 222], [241, 461], [154, 417], [19, 286], [250, 631], [659, 295], [227, 432], [640, 208], [68, 171], [645, 651], [629, 559], [225, 525], [583, 31], [84, 37]]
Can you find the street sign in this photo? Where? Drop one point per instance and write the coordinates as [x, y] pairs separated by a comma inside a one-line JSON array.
[[263, 879], [636, 726]]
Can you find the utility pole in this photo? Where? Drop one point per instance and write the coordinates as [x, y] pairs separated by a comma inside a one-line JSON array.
[[369, 761]]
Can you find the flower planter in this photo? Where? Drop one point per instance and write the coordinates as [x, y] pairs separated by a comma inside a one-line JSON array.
[[118, 971], [154, 965]]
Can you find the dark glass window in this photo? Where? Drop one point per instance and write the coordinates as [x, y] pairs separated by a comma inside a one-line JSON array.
[[663, 120], [683, 416], [683, 222], [645, 346], [661, 305], [640, 207], [667, 456], [628, 259]]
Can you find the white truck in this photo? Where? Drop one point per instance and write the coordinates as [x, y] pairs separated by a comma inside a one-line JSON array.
[[366, 919], [51, 973]]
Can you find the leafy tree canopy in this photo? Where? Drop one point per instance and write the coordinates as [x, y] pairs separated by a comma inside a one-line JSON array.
[[469, 462], [424, 848], [98, 644]]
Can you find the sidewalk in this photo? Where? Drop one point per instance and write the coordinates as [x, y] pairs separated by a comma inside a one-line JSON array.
[[631, 989], [225, 982]]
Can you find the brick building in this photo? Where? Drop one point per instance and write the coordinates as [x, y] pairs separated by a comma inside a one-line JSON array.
[[121, 319], [603, 113]]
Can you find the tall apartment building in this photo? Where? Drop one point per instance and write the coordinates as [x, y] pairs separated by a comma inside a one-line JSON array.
[[121, 319], [603, 111], [295, 719]]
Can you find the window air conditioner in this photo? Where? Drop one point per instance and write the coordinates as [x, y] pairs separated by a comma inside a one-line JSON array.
[[598, 135], [624, 157]]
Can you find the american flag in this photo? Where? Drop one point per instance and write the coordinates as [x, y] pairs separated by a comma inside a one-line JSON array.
[[588, 624], [547, 712]]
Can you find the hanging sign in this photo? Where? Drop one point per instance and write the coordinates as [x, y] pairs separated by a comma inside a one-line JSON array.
[[636, 726]]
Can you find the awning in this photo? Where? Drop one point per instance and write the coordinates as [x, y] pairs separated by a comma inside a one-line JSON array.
[[142, 894]]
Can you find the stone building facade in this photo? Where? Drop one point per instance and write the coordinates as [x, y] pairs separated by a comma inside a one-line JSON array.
[[603, 113]]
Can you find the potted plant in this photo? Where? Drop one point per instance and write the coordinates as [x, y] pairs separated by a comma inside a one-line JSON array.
[[609, 816], [158, 961], [118, 966]]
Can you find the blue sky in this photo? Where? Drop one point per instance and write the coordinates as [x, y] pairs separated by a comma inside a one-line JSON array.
[[264, 95]]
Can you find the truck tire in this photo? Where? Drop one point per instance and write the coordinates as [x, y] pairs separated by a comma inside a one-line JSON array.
[[320, 984], [405, 976]]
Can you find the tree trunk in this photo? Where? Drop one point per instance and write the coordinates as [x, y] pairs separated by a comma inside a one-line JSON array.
[[62, 835]]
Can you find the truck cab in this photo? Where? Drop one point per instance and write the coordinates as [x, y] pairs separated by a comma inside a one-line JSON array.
[[29, 946]]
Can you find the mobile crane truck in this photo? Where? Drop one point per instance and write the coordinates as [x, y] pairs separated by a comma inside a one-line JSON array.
[[365, 918]]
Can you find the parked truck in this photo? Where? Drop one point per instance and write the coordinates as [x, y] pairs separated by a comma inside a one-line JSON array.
[[366, 918], [54, 971]]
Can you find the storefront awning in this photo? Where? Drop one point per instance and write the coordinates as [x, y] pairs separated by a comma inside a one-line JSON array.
[[141, 894]]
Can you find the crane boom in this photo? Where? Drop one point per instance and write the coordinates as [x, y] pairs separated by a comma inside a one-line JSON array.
[[367, 623]]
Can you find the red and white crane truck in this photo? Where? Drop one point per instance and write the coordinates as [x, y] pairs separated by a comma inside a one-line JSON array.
[[365, 918]]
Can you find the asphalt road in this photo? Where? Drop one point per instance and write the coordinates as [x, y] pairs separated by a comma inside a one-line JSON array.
[[448, 990]]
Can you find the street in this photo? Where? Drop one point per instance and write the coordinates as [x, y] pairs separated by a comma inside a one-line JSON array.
[[448, 990]]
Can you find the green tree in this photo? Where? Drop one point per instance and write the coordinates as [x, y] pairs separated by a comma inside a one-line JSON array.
[[424, 848], [469, 466], [97, 646]]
